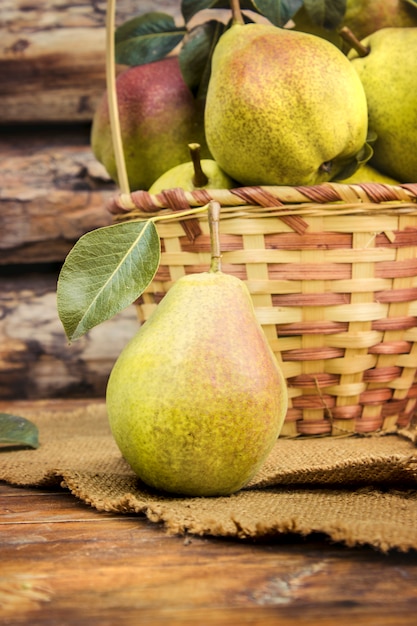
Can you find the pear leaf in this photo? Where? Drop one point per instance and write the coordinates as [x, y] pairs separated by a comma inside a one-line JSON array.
[[364, 154], [360, 158], [278, 12], [106, 270], [146, 38], [189, 8], [195, 55], [326, 13], [18, 431]]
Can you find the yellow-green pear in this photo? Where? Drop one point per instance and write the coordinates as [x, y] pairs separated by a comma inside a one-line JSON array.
[[388, 72], [197, 399], [195, 174], [368, 174], [283, 107]]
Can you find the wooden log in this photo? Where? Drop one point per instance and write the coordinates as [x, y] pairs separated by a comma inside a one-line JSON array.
[[36, 360], [53, 191], [52, 57]]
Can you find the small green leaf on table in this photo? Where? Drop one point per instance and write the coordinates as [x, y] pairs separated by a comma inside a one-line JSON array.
[[18, 431], [106, 271]]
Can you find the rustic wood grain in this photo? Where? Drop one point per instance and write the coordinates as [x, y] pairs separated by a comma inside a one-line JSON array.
[[63, 562], [53, 191], [52, 57], [36, 360]]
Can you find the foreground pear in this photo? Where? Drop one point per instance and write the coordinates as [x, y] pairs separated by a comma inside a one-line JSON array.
[[195, 174], [159, 116], [388, 72], [196, 400], [282, 107]]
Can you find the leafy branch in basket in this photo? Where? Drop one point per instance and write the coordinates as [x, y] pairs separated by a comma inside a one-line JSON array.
[[152, 36]]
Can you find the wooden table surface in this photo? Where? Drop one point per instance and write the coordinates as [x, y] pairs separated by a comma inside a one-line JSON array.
[[63, 563]]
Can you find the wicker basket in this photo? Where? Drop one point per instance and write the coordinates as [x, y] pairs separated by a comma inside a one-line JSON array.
[[332, 270]]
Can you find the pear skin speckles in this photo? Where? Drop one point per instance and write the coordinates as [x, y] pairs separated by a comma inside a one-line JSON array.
[[280, 104]]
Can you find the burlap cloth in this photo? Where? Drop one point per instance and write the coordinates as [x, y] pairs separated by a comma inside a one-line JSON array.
[[357, 490]]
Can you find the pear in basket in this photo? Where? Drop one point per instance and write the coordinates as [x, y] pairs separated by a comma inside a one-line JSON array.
[[195, 174], [389, 57], [158, 115], [197, 399], [362, 17], [282, 107]]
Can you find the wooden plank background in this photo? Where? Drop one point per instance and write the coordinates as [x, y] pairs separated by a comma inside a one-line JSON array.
[[36, 360], [52, 57], [53, 191], [52, 68]]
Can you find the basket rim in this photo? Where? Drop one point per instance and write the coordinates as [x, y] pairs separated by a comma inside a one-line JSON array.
[[358, 198]]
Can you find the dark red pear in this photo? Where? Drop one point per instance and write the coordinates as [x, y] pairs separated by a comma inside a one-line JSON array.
[[159, 117]]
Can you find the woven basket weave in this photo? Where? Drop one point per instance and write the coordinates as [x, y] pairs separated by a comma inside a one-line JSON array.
[[332, 271]]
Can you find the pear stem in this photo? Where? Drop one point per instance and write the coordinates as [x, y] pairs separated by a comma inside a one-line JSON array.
[[112, 98], [347, 35], [237, 17], [199, 178], [213, 218]]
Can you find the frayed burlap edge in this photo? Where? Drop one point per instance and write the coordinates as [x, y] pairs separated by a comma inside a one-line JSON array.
[[359, 491], [369, 516]]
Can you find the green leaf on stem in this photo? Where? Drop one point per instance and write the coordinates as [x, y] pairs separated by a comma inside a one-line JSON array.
[[326, 13], [146, 38], [195, 55], [360, 158], [18, 431], [278, 11], [189, 8], [106, 270]]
